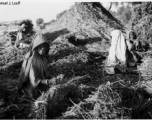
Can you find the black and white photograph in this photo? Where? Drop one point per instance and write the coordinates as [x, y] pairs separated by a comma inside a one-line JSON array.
[[75, 59]]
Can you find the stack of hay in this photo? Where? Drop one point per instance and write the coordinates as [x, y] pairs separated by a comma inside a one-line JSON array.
[[112, 101], [103, 104], [56, 100], [146, 68]]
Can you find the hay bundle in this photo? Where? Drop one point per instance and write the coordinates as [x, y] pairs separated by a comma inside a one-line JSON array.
[[110, 101], [102, 104], [72, 100], [10, 62], [56, 100], [146, 68], [11, 55]]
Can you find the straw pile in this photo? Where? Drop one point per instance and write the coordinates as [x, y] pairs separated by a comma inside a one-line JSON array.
[[121, 98], [56, 100], [73, 99], [146, 67], [112, 101]]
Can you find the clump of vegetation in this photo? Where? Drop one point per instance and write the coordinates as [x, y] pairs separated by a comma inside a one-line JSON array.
[[124, 13], [119, 99], [146, 67], [115, 100], [141, 21]]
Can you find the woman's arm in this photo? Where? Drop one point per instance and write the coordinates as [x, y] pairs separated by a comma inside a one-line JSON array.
[[131, 49], [129, 45], [34, 80], [18, 38]]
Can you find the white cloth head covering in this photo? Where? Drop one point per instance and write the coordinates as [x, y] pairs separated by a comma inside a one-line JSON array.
[[117, 52]]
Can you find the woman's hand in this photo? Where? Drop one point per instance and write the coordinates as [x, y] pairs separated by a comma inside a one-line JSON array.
[[51, 81], [134, 55], [57, 80], [130, 45]]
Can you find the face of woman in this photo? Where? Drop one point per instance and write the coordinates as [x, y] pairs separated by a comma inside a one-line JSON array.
[[23, 26], [131, 35], [23, 29], [42, 50]]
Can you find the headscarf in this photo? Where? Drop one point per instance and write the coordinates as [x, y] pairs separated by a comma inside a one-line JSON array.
[[117, 52], [128, 34]]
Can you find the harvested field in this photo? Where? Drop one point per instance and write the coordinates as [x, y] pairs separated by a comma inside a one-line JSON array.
[[79, 46], [87, 92]]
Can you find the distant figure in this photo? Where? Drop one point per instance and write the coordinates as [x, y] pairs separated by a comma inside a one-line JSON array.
[[21, 39], [35, 75], [121, 53], [136, 44], [40, 28]]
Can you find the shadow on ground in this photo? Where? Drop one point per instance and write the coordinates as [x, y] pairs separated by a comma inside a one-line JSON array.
[[53, 35], [81, 42]]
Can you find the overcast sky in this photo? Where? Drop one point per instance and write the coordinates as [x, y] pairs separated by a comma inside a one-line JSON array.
[[33, 9]]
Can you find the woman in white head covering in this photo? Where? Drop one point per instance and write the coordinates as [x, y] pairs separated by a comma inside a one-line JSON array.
[[117, 52]]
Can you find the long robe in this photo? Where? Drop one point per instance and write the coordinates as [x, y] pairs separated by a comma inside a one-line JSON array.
[[34, 70]]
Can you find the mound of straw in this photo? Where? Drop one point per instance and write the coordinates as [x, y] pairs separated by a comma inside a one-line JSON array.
[[82, 95], [56, 100], [146, 68], [112, 101]]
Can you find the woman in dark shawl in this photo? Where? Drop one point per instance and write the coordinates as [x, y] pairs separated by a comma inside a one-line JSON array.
[[34, 75], [132, 37]]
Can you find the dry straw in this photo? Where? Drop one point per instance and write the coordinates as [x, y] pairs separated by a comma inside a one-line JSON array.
[[146, 68]]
